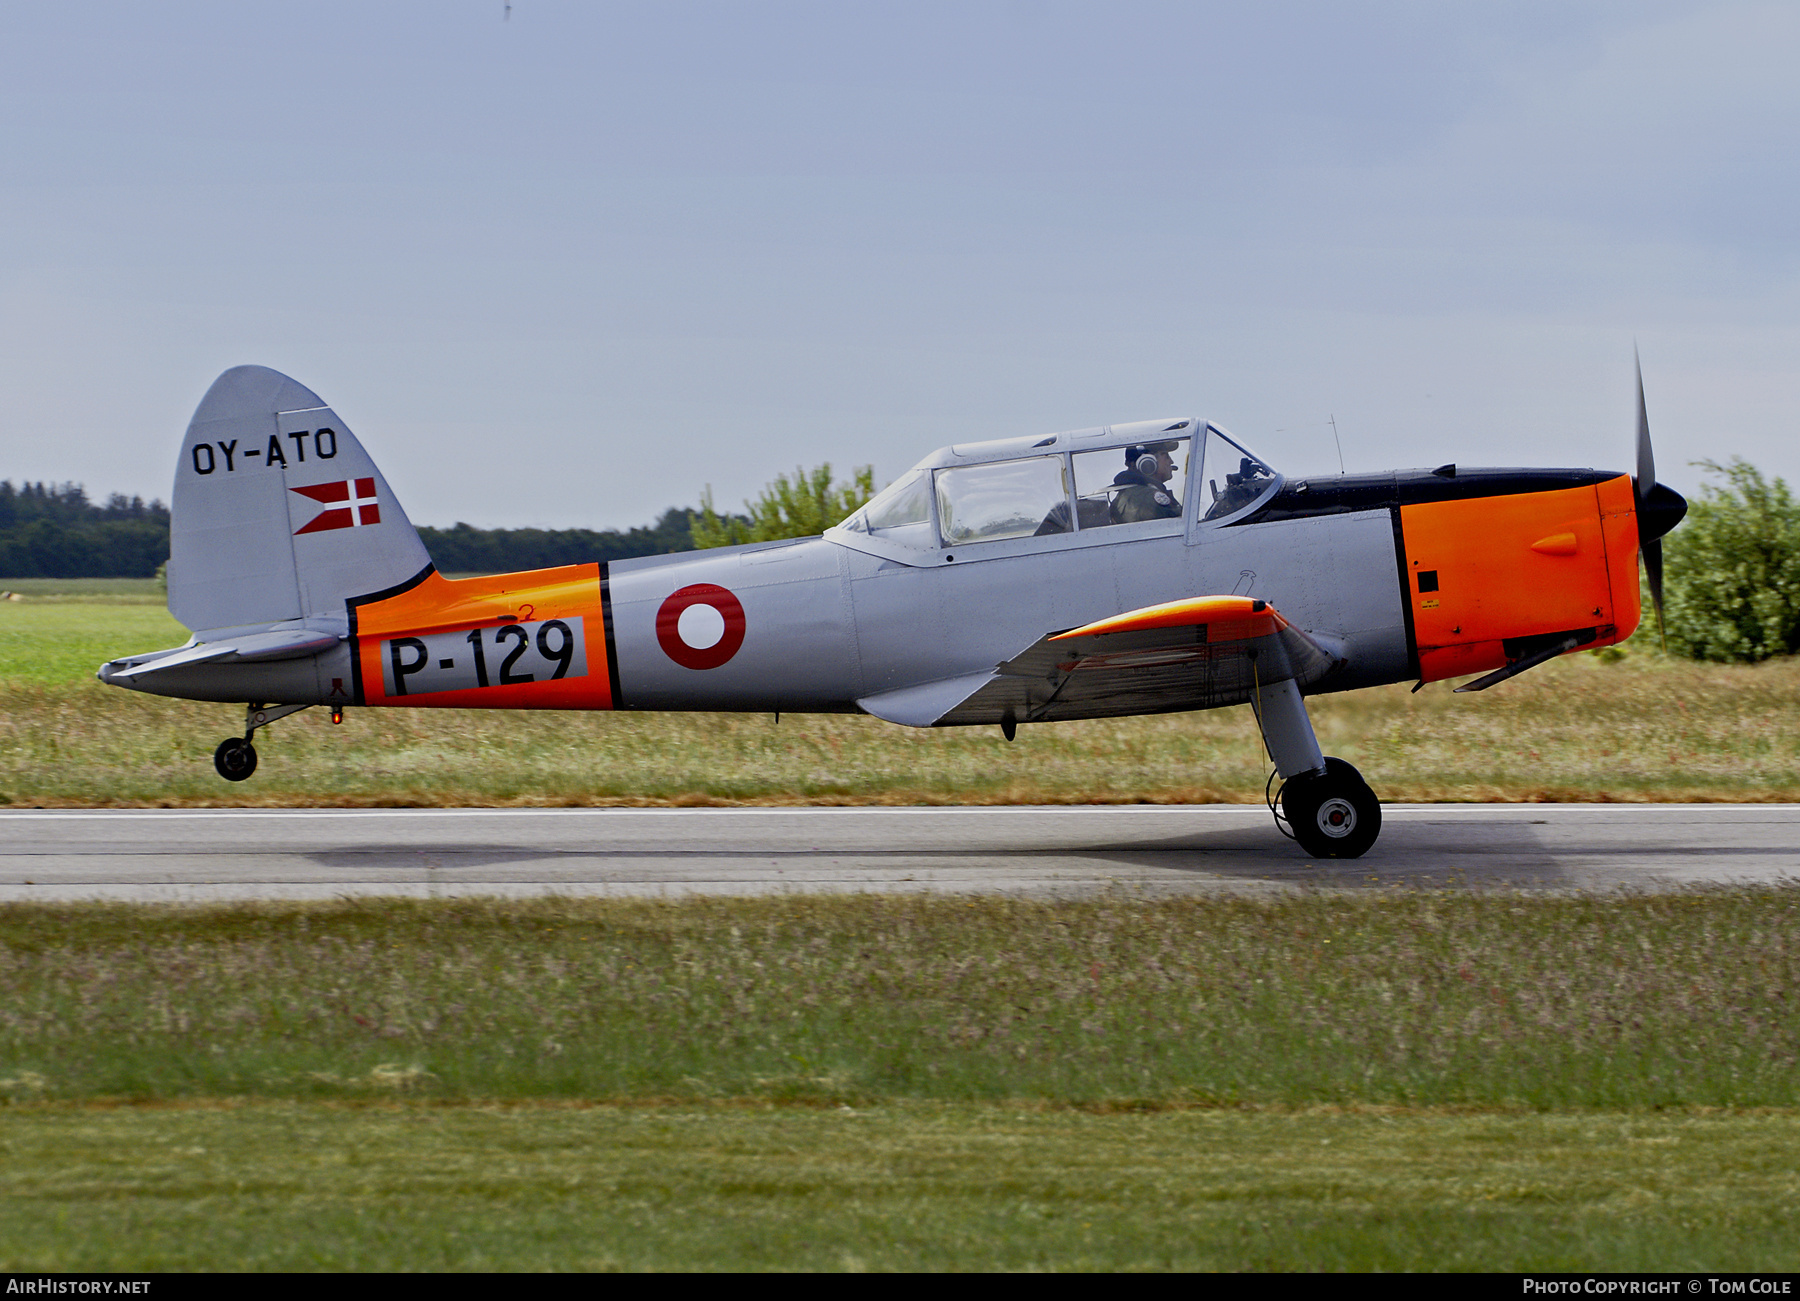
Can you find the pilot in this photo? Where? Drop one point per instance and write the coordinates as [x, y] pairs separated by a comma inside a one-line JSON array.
[[1143, 491]]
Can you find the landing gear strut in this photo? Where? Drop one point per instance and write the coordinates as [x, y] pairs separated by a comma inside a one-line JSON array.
[[1330, 808], [235, 758]]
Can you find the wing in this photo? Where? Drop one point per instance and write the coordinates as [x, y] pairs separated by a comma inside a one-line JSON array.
[[1198, 653]]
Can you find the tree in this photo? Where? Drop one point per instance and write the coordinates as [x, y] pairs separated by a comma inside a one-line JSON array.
[[1732, 573], [801, 507]]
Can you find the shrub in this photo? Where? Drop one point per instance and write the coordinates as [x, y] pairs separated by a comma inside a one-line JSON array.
[[1732, 571]]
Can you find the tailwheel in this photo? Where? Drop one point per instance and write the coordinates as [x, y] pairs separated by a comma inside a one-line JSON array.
[[235, 758], [1334, 814]]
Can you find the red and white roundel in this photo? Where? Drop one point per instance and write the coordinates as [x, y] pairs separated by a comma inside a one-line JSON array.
[[700, 626]]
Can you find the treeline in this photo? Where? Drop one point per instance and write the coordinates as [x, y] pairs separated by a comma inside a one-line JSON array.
[[54, 531], [465, 549]]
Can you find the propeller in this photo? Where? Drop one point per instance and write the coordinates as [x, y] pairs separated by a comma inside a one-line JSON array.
[[1659, 508]]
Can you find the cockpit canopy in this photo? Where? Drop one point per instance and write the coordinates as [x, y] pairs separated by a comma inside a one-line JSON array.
[[1143, 478]]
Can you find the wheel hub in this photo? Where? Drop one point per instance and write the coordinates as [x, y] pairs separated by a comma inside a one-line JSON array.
[[1337, 817]]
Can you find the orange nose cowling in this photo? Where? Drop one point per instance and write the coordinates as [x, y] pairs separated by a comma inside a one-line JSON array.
[[1486, 570]]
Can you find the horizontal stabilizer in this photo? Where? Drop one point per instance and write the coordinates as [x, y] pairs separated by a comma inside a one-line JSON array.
[[286, 644]]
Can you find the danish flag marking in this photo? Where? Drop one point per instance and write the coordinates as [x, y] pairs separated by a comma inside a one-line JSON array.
[[359, 506]]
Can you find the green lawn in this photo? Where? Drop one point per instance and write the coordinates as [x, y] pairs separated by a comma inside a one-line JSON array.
[[80, 590], [289, 1186], [52, 641]]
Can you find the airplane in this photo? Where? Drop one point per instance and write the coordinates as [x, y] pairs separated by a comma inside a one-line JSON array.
[[1139, 568]]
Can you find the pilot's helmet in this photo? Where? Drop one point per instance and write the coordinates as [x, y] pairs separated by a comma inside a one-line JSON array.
[[1137, 451]]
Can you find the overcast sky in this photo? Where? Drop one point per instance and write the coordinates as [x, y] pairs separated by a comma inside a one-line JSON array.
[[570, 267]]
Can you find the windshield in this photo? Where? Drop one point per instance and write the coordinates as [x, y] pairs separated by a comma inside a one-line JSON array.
[[1234, 476], [900, 512]]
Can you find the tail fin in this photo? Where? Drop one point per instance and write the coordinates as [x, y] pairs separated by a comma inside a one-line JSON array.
[[278, 512]]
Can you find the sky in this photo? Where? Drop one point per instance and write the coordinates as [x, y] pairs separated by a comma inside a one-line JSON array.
[[570, 265]]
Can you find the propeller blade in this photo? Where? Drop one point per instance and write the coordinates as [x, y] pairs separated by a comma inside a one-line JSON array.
[[1659, 509], [1646, 458]]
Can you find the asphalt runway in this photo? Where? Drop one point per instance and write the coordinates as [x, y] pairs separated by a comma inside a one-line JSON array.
[[235, 854]]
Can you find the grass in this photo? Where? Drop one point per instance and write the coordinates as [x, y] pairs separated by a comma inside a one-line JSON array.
[[1404, 1081], [289, 1186], [1426, 1000], [1637, 728]]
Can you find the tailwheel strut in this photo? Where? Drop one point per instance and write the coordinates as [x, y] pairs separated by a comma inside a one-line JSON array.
[[235, 759]]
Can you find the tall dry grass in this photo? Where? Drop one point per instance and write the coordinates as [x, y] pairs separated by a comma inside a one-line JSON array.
[[1645, 729], [1637, 727]]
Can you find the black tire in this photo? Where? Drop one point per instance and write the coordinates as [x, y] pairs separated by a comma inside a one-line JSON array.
[[235, 759], [1335, 815]]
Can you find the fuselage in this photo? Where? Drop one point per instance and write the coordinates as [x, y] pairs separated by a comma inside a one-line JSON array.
[[1415, 574]]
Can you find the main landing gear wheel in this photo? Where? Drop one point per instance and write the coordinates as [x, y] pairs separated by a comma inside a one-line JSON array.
[[235, 758], [1335, 814]]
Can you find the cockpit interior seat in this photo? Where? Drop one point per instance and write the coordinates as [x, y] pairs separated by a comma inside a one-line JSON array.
[[1093, 515]]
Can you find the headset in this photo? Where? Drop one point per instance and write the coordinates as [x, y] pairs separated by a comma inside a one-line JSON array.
[[1144, 462]]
